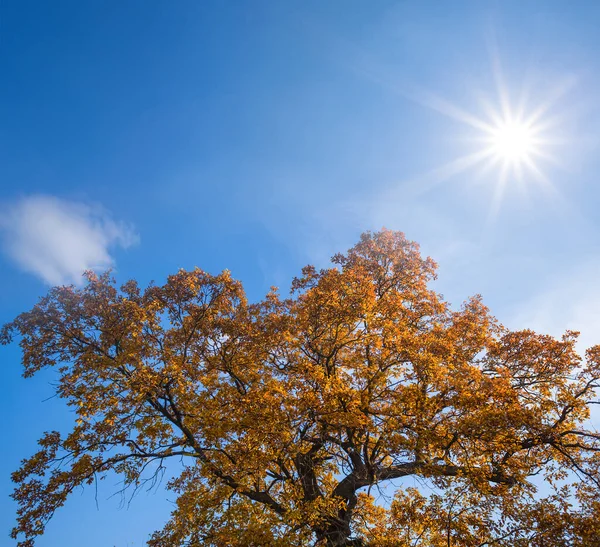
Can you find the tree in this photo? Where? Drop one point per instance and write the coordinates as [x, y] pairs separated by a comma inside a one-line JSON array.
[[290, 416]]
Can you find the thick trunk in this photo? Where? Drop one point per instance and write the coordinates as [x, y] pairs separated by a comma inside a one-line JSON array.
[[338, 536], [337, 533]]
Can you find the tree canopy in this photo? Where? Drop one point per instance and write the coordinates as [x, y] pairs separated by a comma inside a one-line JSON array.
[[296, 419]]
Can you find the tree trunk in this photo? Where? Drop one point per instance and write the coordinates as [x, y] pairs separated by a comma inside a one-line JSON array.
[[337, 534]]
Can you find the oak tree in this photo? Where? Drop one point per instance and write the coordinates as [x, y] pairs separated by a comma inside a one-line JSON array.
[[295, 419]]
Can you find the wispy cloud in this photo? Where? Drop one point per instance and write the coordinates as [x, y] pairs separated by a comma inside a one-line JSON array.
[[569, 301], [58, 240]]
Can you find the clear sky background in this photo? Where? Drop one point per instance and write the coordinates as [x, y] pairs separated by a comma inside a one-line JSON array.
[[262, 136]]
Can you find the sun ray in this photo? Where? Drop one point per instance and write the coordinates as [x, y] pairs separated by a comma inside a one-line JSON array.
[[513, 141], [501, 88], [515, 135], [450, 110], [536, 117], [441, 174], [498, 194], [541, 178]]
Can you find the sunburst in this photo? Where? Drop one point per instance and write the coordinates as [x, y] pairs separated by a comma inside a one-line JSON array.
[[513, 142], [509, 143]]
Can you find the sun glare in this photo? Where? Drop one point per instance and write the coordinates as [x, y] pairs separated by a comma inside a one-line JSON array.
[[513, 142], [512, 138]]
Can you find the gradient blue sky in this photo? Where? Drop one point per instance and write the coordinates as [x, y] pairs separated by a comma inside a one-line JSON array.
[[261, 136]]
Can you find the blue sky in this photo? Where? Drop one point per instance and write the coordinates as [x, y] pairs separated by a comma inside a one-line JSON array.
[[261, 136]]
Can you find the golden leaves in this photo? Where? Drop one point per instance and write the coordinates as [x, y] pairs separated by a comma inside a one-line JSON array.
[[283, 411]]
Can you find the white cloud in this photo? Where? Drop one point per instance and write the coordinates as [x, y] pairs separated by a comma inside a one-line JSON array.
[[58, 240]]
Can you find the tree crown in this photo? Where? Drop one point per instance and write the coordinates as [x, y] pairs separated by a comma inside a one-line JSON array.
[[286, 413]]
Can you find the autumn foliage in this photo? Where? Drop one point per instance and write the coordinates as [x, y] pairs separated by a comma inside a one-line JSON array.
[[295, 420]]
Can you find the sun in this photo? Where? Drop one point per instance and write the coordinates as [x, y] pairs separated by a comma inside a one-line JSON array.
[[510, 141], [513, 142]]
